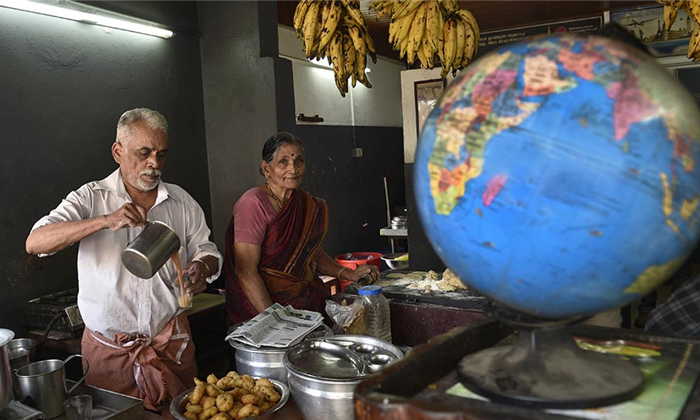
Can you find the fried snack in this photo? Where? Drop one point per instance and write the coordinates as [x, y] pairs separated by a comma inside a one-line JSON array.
[[198, 392], [213, 390], [251, 399], [264, 382], [230, 397], [224, 402], [268, 393], [194, 408], [233, 412], [248, 410], [208, 402], [208, 413]]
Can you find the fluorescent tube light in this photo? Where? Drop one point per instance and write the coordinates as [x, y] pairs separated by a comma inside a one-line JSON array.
[[322, 62], [59, 10]]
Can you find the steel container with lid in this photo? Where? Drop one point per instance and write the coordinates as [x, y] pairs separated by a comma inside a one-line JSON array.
[[267, 362], [322, 374]]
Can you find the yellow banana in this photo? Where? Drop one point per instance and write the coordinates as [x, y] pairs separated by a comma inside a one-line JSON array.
[[470, 47], [369, 43], [450, 6], [671, 9], [459, 49], [433, 24], [357, 39], [336, 49], [428, 53], [334, 15], [406, 8], [441, 45], [349, 57], [469, 19], [450, 35], [299, 14], [694, 44], [361, 75], [692, 8], [310, 26], [422, 57], [352, 7], [417, 31]]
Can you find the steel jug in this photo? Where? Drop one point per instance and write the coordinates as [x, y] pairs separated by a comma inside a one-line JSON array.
[[43, 384], [147, 253], [5, 374]]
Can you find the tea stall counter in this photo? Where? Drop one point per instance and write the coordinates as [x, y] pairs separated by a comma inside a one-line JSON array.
[[203, 306]]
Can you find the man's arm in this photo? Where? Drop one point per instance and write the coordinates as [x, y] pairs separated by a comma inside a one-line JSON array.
[[55, 237]]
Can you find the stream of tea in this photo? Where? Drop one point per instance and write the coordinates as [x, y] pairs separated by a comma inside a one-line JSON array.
[[184, 299]]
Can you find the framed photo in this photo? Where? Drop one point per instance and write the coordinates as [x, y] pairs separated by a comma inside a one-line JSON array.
[[427, 94], [647, 24]]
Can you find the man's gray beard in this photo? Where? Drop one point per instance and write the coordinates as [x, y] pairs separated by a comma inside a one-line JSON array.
[[144, 186]]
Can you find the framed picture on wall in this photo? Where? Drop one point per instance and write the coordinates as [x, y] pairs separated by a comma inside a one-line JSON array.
[[647, 24], [427, 94]]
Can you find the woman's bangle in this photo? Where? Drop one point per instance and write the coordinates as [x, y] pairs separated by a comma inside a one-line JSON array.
[[340, 272], [206, 267]]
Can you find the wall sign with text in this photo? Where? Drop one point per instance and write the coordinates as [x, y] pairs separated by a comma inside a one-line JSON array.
[[491, 40]]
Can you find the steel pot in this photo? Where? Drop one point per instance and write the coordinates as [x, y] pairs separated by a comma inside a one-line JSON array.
[[267, 362], [147, 253], [322, 374], [5, 373], [22, 351], [264, 362]]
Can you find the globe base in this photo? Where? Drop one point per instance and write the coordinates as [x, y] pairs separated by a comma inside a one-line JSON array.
[[546, 369]]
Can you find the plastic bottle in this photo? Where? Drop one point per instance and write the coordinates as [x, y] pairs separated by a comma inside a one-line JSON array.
[[377, 316]]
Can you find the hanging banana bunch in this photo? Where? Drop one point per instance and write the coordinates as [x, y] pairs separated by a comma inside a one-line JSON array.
[[434, 31], [692, 8], [335, 29]]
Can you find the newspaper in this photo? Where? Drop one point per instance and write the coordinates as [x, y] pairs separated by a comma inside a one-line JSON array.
[[277, 326]]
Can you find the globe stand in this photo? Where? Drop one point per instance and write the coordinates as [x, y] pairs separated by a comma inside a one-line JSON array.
[[546, 369]]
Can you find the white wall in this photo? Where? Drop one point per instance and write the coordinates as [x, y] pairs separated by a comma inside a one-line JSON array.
[[315, 92]]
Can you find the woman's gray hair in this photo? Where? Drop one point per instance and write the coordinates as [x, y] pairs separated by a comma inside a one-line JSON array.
[[273, 143], [153, 119]]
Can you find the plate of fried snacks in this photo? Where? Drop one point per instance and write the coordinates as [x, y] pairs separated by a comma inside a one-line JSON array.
[[230, 397]]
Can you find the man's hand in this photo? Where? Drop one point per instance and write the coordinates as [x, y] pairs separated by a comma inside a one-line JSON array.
[[130, 214], [197, 272]]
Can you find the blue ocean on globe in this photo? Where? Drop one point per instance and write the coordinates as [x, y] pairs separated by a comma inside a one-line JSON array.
[[559, 175]]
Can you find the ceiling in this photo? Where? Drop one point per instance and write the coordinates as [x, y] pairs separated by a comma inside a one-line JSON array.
[[490, 15]]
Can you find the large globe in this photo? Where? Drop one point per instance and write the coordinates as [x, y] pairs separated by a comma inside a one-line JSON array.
[[559, 175]]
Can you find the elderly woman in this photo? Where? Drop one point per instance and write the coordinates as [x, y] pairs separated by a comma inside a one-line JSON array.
[[273, 243]]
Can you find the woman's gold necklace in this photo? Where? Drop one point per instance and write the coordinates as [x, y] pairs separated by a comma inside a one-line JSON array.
[[277, 200]]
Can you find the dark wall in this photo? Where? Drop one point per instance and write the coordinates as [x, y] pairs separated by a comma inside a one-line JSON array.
[[354, 187], [63, 86], [423, 255]]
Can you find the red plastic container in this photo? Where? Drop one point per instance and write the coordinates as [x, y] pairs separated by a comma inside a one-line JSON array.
[[362, 259], [353, 264]]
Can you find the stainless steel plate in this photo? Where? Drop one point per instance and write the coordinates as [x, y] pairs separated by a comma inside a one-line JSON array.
[[177, 406]]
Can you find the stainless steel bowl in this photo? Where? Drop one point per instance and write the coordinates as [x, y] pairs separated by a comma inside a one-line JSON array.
[[177, 406], [322, 378], [393, 263]]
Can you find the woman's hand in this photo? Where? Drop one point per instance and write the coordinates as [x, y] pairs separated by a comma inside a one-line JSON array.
[[364, 270], [196, 272]]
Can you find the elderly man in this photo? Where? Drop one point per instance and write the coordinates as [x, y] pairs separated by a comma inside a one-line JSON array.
[[136, 339]]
